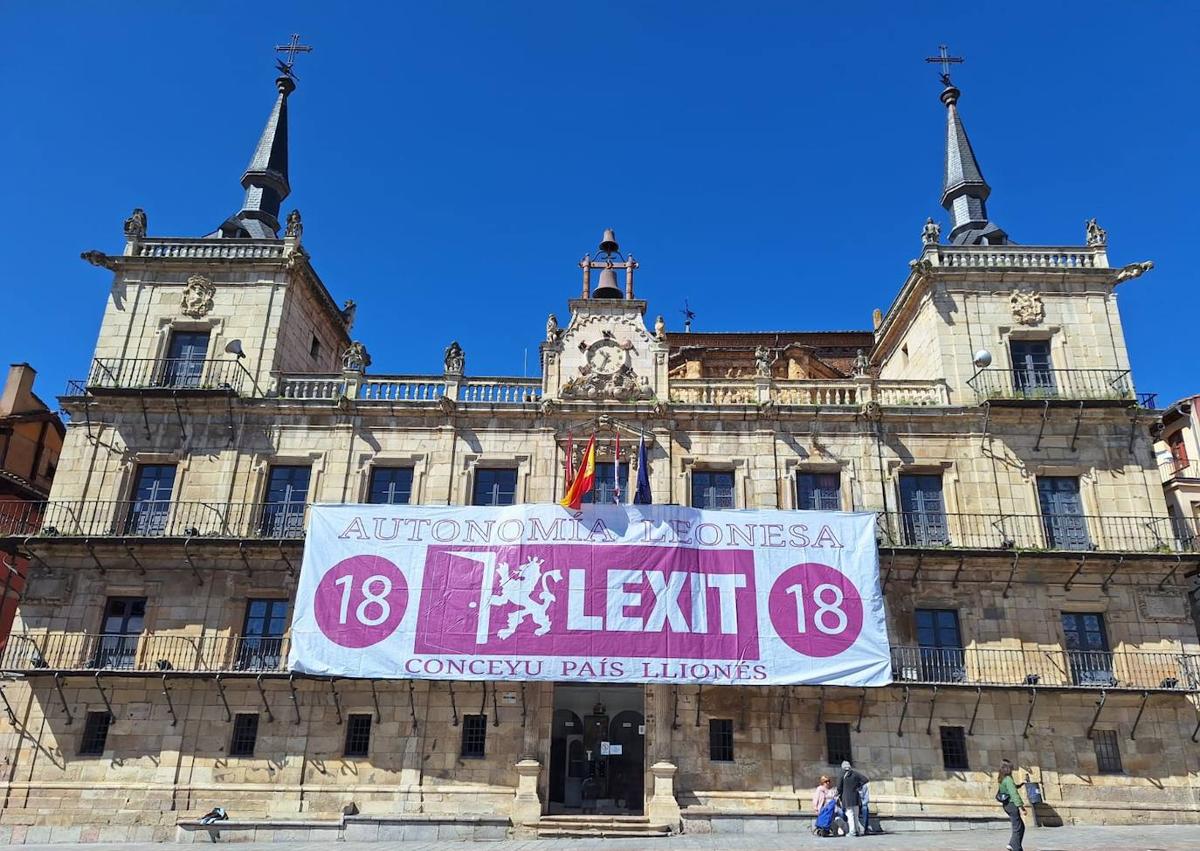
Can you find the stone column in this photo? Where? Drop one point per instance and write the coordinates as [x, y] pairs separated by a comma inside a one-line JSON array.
[[662, 807], [762, 389], [527, 807]]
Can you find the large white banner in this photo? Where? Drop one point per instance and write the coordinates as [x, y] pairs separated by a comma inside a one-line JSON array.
[[607, 594]]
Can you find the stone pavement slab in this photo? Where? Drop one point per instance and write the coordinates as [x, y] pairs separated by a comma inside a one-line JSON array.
[[1131, 838]]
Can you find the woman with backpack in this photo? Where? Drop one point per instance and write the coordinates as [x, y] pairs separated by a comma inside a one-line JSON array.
[[1010, 798]]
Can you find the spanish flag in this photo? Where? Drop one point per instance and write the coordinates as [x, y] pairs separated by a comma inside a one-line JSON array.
[[585, 478]]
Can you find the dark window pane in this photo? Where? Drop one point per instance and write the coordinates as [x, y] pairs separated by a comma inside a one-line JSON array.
[[287, 493], [604, 491], [391, 486], [494, 486], [1087, 648], [95, 734], [151, 503], [818, 492], [184, 364], [358, 735], [837, 743], [474, 736], [261, 645], [954, 749], [1033, 373], [1062, 513], [121, 628], [923, 511], [1108, 752], [245, 734], [712, 489], [720, 740], [940, 642]]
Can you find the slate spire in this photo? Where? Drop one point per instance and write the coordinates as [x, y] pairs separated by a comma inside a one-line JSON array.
[[964, 191], [266, 178]]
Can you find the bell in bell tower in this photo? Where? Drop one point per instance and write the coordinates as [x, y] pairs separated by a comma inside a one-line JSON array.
[[602, 259]]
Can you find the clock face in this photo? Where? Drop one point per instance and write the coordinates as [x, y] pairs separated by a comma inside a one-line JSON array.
[[605, 356]]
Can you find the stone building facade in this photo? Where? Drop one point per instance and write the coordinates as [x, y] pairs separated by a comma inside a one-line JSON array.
[[1033, 578]]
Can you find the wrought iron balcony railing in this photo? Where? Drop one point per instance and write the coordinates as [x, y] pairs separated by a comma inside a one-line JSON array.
[[1050, 532], [1050, 667], [174, 374], [146, 652], [1179, 468], [1036, 385], [153, 519]]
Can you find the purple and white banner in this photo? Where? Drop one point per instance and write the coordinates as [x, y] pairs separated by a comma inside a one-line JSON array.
[[608, 594]]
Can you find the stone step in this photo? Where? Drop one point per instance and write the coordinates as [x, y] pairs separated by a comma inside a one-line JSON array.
[[563, 832], [594, 819]]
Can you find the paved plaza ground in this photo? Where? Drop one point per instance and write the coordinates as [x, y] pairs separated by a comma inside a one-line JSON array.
[[1143, 838]]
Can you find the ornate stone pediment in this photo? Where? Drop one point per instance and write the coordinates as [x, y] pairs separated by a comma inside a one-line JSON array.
[[1027, 307], [624, 385], [197, 299]]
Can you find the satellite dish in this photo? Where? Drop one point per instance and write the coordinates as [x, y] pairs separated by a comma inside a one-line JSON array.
[[234, 347], [983, 359]]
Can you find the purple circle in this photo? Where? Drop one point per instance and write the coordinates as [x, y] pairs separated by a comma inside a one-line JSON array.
[[833, 616], [360, 601]]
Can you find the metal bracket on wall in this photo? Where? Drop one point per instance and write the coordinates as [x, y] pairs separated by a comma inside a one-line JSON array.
[[675, 711], [224, 701], [1037, 444], [103, 694], [263, 693], [170, 703], [961, 561], [145, 415], [337, 702], [495, 708], [1133, 424], [245, 561], [903, 714], [891, 563], [1078, 418], [1078, 568], [179, 416], [1108, 579], [742, 714], [917, 570], [785, 700], [87, 542], [483, 699], [932, 708], [12, 718], [453, 704], [375, 700], [187, 555], [412, 706], [987, 418], [862, 706], [820, 709], [1029, 714], [232, 428], [291, 568], [1163, 582], [1099, 705], [1011, 574], [975, 711], [133, 558], [295, 698], [58, 681], [699, 697], [1138, 719], [1196, 732], [522, 704]]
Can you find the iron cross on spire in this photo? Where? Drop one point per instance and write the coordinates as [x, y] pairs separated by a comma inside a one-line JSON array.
[[291, 49], [945, 60]]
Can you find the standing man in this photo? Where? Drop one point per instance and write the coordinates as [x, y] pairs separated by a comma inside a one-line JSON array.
[[848, 788]]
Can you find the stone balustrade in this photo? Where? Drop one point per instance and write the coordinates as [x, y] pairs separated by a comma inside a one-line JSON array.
[[211, 249], [1017, 257], [846, 393]]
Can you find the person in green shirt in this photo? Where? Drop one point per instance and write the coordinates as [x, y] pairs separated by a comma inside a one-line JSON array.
[[1010, 796]]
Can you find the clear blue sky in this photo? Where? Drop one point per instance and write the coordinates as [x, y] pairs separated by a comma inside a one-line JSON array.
[[771, 162]]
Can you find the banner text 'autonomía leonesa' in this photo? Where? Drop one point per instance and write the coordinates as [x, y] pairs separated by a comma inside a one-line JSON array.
[[608, 594]]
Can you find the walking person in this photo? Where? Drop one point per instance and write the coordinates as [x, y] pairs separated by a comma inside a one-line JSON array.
[[1010, 798], [849, 787]]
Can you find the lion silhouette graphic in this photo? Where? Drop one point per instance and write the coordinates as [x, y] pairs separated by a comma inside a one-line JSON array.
[[518, 589]]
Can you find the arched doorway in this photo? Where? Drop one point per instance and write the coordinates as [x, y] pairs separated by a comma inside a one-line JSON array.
[[566, 760], [597, 750]]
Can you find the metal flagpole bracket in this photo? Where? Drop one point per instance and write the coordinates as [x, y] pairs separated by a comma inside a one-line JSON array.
[[975, 712], [1099, 705], [337, 703], [103, 694], [523, 711], [699, 696], [224, 701], [12, 718], [862, 706], [1138, 719], [932, 708], [495, 708], [903, 713], [1029, 714], [961, 561], [170, 703], [820, 709], [453, 705], [58, 681], [1108, 579], [412, 705], [263, 694], [1011, 574], [375, 700], [295, 697], [675, 710], [1078, 568]]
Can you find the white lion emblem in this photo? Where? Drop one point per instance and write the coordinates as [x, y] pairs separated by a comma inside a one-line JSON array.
[[517, 589]]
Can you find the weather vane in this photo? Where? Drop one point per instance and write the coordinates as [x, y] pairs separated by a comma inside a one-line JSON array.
[[291, 49], [945, 60]]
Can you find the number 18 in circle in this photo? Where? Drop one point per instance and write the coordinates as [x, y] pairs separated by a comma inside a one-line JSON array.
[[361, 601], [816, 610]]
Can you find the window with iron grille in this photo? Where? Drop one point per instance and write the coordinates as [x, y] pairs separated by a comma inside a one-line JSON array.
[[494, 486], [245, 734], [720, 739], [391, 485], [358, 735], [1108, 753], [95, 734], [954, 749], [837, 743], [818, 491], [474, 736], [712, 489]]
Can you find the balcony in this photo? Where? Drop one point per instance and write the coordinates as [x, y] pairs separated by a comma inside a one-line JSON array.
[[145, 653], [1047, 668], [1050, 533], [1038, 386], [845, 393], [153, 519], [1179, 468], [480, 390], [163, 375]]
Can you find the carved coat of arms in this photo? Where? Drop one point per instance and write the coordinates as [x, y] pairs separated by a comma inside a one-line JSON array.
[[197, 298], [1027, 307]]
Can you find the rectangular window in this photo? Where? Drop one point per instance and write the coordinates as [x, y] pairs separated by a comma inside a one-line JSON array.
[[474, 736], [184, 364], [314, 348], [245, 734], [1062, 513], [954, 749], [358, 735], [1108, 752], [283, 509], [818, 492], [261, 645], [1179, 456], [712, 489], [1087, 649], [837, 743], [151, 504], [391, 486], [120, 630], [720, 739], [1033, 373], [95, 734], [940, 646], [494, 486], [923, 511], [604, 492]]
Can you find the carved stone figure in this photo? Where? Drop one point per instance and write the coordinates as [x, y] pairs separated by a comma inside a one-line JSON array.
[[862, 363], [660, 328], [551, 328], [1096, 235], [135, 225], [294, 258], [623, 385], [1027, 307], [295, 227], [455, 360], [349, 311], [356, 358], [931, 234], [197, 299], [763, 359], [1133, 270], [98, 258]]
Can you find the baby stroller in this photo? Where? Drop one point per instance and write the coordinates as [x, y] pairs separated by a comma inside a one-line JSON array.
[[830, 820]]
